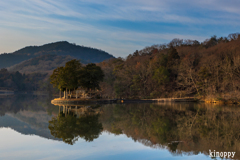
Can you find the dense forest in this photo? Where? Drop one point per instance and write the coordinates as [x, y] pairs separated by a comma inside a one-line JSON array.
[[62, 48], [17, 81], [177, 69]]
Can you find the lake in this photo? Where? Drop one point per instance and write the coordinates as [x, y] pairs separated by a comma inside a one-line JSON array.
[[33, 128]]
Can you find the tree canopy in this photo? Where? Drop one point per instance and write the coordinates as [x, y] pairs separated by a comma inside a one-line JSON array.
[[73, 75], [67, 77], [91, 75]]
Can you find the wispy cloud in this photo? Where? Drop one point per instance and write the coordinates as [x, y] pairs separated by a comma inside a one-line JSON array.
[[86, 22]]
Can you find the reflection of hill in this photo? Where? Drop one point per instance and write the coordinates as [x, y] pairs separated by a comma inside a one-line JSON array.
[[34, 119], [27, 114], [24, 127], [182, 128]]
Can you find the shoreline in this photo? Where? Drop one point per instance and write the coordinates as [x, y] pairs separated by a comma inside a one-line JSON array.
[[109, 101], [163, 100], [82, 101]]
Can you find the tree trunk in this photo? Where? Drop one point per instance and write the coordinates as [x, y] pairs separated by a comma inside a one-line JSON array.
[[70, 93], [193, 81], [66, 93]]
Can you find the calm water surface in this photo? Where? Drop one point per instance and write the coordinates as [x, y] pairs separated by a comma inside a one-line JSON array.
[[32, 128]]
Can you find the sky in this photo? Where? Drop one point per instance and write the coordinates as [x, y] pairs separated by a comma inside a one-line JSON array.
[[118, 27]]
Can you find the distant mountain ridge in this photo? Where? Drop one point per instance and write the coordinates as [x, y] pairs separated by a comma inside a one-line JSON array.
[[62, 48], [44, 63]]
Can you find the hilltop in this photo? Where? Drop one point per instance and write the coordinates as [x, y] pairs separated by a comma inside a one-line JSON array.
[[62, 48]]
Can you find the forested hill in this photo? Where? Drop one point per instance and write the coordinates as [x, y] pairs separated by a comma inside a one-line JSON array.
[[180, 68], [41, 64], [62, 48]]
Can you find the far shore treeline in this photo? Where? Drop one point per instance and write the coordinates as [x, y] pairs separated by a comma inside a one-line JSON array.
[[178, 69]]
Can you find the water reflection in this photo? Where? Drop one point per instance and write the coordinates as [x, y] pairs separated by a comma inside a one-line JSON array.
[[187, 129], [75, 122], [27, 114], [181, 128]]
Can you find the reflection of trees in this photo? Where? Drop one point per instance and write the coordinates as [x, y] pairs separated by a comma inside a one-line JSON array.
[[29, 102], [182, 128], [69, 128]]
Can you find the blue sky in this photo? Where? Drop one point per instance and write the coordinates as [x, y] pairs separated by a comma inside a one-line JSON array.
[[117, 26]]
